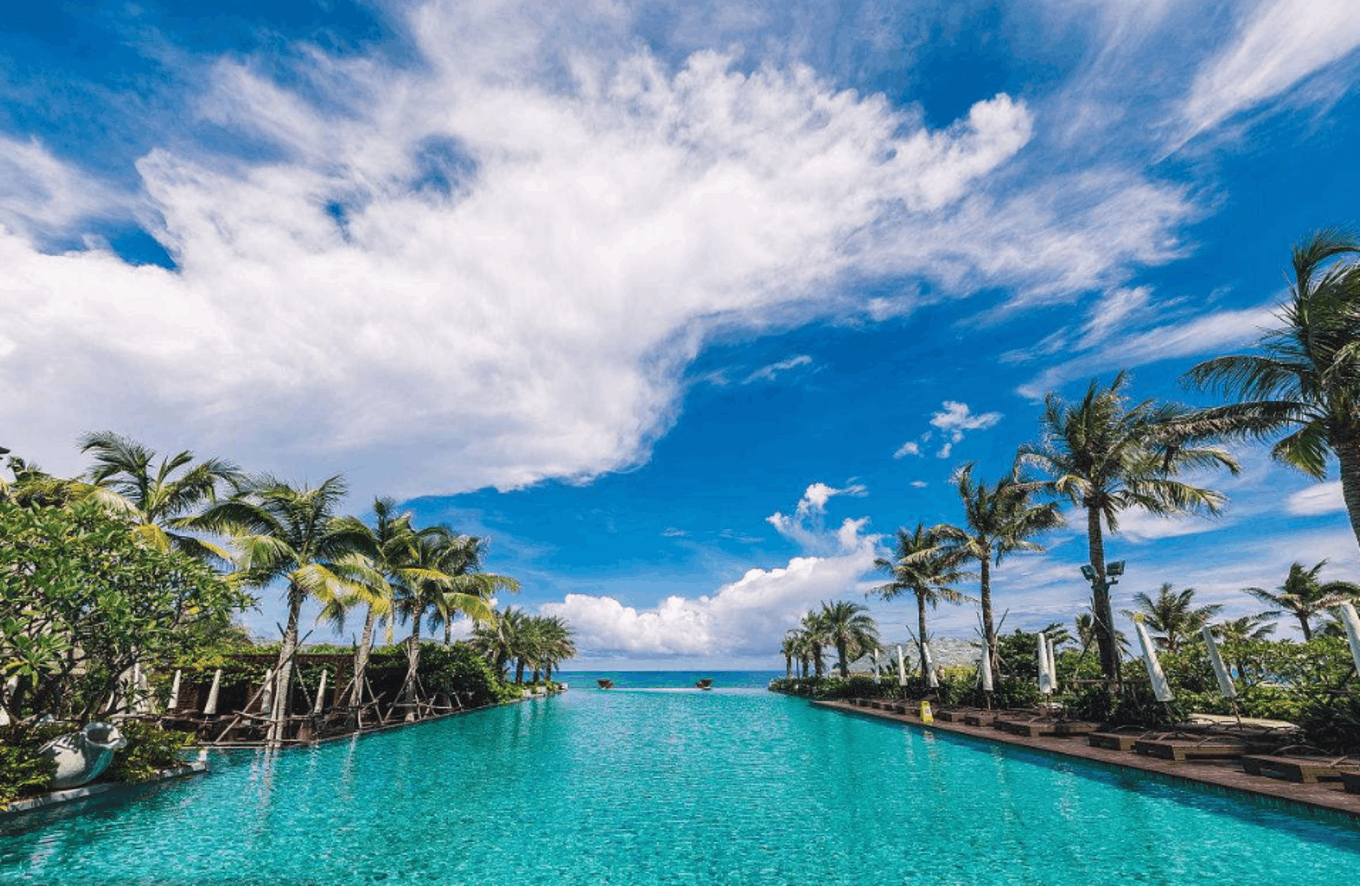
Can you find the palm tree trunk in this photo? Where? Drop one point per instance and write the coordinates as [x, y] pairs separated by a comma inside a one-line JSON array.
[[1348, 455], [448, 631], [788, 667], [1100, 598], [985, 595], [1303, 623], [361, 657], [841, 653], [413, 664], [519, 671], [921, 629], [283, 674]]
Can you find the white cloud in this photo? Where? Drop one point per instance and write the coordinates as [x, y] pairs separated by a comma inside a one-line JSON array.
[[956, 418], [1140, 526], [919, 484], [42, 194], [464, 272], [1324, 498], [911, 447], [1217, 331], [1281, 44], [767, 373], [745, 617]]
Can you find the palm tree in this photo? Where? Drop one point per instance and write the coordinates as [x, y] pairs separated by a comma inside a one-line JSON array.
[[1000, 519], [1303, 596], [1236, 633], [1173, 615], [849, 628], [814, 636], [436, 581], [1306, 380], [1107, 456], [557, 643], [158, 502], [789, 649], [499, 642], [293, 533], [921, 567]]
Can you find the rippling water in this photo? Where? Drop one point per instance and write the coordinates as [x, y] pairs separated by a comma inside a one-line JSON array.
[[640, 786]]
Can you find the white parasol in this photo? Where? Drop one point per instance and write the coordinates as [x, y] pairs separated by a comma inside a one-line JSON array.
[[210, 709], [901, 667], [985, 666], [320, 694], [928, 666], [1160, 687], [1352, 624], [1225, 683], [173, 704], [1045, 675], [878, 677]]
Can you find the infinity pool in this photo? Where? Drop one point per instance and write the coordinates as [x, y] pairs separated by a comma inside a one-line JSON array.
[[647, 786]]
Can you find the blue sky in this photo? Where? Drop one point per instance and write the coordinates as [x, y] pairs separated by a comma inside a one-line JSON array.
[[685, 307]]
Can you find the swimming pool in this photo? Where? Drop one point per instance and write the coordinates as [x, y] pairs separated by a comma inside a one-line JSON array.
[[646, 786]]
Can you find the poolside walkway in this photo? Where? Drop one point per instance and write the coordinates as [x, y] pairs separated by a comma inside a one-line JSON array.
[[1225, 774]]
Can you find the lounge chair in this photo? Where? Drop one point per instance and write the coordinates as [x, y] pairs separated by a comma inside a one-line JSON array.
[[1209, 747], [1351, 781], [980, 718], [1307, 768], [1036, 727]]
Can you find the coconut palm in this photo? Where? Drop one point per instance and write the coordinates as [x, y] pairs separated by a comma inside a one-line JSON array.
[[1107, 456], [556, 643], [1303, 596], [789, 649], [999, 519], [815, 638], [290, 533], [921, 566], [436, 581], [155, 497], [849, 628], [1237, 632], [499, 642], [1306, 378], [1173, 616]]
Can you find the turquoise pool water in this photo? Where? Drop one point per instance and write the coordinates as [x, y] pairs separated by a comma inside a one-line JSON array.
[[668, 786]]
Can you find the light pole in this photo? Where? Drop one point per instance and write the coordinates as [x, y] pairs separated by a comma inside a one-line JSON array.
[[1101, 607]]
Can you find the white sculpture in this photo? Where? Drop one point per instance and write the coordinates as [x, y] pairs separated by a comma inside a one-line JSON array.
[[83, 756]]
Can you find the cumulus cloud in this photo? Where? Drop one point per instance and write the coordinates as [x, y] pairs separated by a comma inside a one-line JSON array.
[[1324, 498], [493, 267], [911, 447], [744, 617]]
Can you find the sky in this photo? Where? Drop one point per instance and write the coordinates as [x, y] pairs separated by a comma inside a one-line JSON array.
[[684, 307]]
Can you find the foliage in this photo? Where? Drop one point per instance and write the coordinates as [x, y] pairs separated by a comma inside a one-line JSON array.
[[1303, 596], [82, 600], [149, 750], [22, 772]]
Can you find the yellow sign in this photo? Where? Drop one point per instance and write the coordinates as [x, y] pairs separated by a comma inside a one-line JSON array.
[[926, 715]]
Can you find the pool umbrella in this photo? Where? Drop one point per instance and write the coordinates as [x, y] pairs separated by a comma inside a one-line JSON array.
[[1352, 624], [1045, 676], [1160, 688], [1052, 662], [1225, 683], [174, 692], [878, 677], [320, 695], [901, 668], [210, 709], [928, 665], [267, 693], [985, 666], [141, 702]]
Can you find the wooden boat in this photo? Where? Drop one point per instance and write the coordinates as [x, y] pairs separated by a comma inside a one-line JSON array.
[[705, 683], [605, 683]]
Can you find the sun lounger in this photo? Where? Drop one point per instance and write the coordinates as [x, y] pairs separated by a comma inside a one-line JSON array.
[[980, 718], [1044, 726], [1304, 768], [1351, 781], [1211, 747]]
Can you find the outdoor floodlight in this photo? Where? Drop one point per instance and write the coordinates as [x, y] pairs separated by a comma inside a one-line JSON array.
[[1115, 568], [1088, 573]]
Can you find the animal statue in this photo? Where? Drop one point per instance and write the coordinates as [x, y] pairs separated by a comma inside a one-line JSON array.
[[83, 756]]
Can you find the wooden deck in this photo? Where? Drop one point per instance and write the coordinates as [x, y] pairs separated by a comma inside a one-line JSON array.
[[1225, 774]]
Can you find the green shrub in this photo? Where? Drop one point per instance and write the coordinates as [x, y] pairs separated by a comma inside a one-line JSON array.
[[149, 750], [22, 772]]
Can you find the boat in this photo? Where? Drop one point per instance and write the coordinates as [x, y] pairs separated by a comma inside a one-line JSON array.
[[605, 683], [705, 683]]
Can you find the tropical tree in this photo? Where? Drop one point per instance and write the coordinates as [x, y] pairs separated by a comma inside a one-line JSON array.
[[557, 643], [789, 649], [999, 519], [290, 533], [500, 641], [815, 638], [158, 498], [1305, 380], [1173, 616], [1304, 596], [436, 581], [921, 566], [1107, 456], [1236, 633], [849, 627]]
